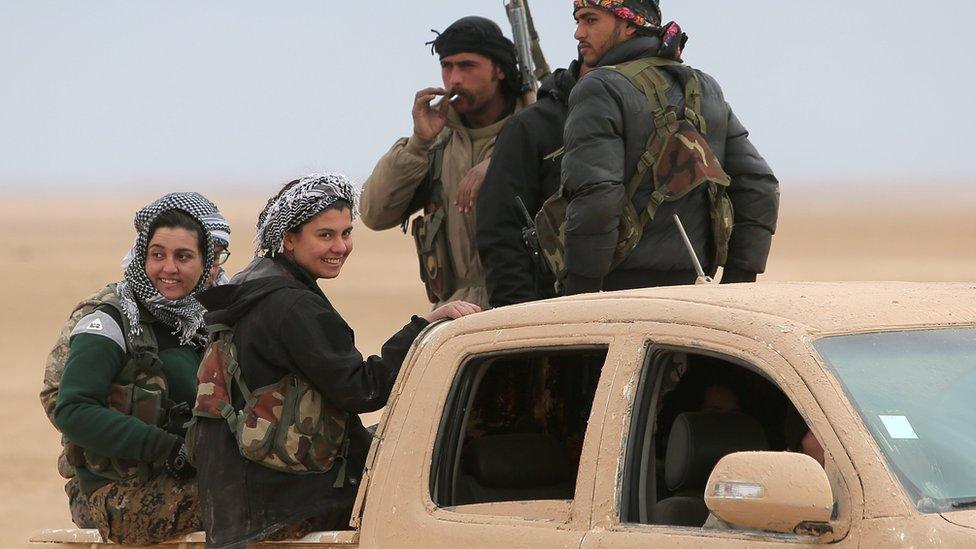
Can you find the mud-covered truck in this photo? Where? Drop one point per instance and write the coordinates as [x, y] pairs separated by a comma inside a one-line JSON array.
[[723, 416]]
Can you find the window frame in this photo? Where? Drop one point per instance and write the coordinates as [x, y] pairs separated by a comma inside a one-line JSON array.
[[454, 417], [762, 356]]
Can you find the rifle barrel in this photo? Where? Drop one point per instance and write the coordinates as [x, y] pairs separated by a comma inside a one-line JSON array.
[[523, 42]]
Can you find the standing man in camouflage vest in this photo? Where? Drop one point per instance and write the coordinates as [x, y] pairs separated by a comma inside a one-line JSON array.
[[607, 132], [439, 165]]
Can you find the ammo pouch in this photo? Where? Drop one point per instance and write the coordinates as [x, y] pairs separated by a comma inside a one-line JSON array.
[[550, 225], [285, 426], [430, 231], [679, 159], [433, 252]]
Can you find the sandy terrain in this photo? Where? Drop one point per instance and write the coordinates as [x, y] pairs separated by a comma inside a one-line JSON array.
[[55, 253]]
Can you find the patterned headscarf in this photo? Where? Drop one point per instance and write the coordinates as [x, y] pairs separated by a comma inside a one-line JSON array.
[[184, 315], [640, 13], [474, 34], [209, 215], [644, 14], [301, 202]]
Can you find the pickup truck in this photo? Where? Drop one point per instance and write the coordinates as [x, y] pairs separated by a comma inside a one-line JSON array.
[[752, 415]]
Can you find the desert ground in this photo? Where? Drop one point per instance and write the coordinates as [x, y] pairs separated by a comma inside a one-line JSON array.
[[58, 248]]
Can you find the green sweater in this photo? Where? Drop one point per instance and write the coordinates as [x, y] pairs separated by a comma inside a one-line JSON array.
[[82, 414]]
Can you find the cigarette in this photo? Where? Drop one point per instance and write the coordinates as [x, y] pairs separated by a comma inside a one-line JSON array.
[[449, 98]]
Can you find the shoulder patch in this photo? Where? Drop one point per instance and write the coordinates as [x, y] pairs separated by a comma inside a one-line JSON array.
[[102, 324]]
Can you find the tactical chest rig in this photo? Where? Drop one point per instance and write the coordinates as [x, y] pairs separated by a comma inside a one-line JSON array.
[[429, 231], [679, 159], [139, 390], [286, 426]]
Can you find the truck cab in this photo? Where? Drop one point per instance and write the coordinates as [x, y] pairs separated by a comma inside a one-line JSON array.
[[742, 416]]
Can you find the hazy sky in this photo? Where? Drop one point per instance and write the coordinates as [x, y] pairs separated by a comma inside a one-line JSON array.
[[250, 93]]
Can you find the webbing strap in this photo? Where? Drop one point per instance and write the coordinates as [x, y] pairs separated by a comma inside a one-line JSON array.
[[226, 341], [428, 191], [693, 102], [657, 198], [436, 165], [144, 343], [229, 414], [215, 328], [643, 74]]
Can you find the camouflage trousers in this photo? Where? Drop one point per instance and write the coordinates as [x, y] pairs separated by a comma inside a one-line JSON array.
[[145, 513], [78, 505]]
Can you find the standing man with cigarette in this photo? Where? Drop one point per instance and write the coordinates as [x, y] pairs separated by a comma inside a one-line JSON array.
[[439, 167], [646, 131]]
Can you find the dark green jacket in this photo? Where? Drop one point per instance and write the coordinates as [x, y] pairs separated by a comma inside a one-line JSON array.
[[96, 358]]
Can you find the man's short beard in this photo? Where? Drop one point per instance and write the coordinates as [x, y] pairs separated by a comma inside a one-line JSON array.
[[619, 33], [478, 108]]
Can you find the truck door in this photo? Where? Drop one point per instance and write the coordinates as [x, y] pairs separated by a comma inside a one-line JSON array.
[[493, 440], [692, 393]]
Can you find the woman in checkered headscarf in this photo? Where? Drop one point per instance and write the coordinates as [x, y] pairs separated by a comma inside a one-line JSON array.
[[129, 379], [284, 325]]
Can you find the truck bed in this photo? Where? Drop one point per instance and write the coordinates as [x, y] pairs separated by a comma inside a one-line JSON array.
[[76, 538]]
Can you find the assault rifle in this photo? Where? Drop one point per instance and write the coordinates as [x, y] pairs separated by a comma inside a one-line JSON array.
[[532, 62], [530, 237]]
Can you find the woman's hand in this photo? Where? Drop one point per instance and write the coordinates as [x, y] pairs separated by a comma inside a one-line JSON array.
[[452, 310]]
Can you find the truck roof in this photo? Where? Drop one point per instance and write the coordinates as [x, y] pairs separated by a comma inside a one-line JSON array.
[[824, 307]]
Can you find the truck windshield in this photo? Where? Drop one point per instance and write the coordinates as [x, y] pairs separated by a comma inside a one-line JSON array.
[[915, 392]]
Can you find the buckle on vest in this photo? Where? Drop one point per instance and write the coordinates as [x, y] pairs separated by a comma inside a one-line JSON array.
[[229, 414]]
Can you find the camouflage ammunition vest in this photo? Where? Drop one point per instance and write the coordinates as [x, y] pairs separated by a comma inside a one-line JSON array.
[[429, 231], [286, 426], [139, 390], [680, 161]]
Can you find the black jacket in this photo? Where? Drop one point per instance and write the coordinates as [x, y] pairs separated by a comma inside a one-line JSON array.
[[284, 324], [607, 129], [522, 166]]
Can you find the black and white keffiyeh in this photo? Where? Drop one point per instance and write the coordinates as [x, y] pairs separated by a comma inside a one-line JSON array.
[[184, 315], [303, 201], [206, 212]]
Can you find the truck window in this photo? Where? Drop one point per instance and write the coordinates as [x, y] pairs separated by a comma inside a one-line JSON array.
[[513, 426], [691, 410]]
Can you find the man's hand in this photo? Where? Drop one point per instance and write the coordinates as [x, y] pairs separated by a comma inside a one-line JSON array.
[[428, 121], [452, 310], [470, 186]]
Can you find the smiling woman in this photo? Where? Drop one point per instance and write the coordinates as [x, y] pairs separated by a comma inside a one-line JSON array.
[[276, 331], [322, 244], [174, 260], [129, 379]]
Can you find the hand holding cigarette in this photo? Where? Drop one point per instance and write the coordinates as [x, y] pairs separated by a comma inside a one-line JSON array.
[[429, 119]]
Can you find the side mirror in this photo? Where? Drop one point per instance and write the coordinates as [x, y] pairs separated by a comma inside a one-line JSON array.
[[781, 492]]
